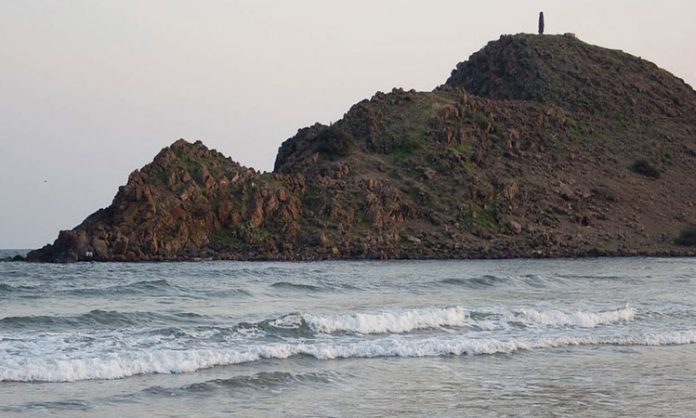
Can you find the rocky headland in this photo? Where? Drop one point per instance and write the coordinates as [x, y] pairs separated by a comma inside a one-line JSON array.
[[536, 146]]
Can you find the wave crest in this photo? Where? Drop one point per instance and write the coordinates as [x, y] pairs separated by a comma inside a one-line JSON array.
[[120, 365], [389, 322], [457, 316], [581, 319]]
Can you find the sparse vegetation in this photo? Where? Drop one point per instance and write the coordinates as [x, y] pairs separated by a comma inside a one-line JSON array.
[[687, 237], [223, 238], [239, 236], [335, 142], [462, 149], [605, 193], [646, 168], [271, 180], [481, 120], [484, 215], [577, 129], [361, 216], [408, 146]]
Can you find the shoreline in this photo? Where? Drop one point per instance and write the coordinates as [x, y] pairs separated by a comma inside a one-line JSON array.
[[536, 255]]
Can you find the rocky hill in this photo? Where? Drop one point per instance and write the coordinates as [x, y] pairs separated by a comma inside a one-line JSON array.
[[537, 146]]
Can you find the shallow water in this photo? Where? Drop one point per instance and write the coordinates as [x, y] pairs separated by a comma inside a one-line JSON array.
[[595, 337]]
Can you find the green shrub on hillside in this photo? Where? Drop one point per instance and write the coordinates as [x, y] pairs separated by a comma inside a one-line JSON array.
[[335, 142], [646, 168], [687, 236]]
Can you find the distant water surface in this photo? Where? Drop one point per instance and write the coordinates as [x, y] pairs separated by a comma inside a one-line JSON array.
[[594, 337]]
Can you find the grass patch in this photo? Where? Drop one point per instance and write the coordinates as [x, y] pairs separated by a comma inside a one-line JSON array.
[[464, 151], [361, 216], [239, 236], [579, 132], [605, 193], [483, 122], [408, 146], [224, 238], [484, 216], [271, 180]]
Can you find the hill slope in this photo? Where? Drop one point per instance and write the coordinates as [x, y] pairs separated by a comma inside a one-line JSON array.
[[535, 146]]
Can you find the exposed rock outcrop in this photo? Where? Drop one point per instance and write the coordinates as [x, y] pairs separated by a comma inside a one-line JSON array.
[[528, 150]]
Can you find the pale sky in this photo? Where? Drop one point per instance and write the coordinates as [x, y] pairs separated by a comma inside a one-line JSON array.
[[92, 89]]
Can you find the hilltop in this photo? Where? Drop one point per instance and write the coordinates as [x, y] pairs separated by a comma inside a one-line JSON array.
[[536, 146]]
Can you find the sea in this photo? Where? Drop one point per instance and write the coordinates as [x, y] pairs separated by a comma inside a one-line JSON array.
[[602, 337]]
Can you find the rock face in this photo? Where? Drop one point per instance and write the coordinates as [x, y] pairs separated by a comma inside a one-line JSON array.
[[528, 150]]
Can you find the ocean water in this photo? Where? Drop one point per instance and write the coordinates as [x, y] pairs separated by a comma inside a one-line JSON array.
[[539, 338]]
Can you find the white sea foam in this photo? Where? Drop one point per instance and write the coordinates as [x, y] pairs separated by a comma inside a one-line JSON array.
[[389, 322], [578, 318], [60, 368], [410, 320]]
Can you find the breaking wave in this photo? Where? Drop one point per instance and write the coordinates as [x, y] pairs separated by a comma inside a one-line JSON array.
[[124, 364], [418, 319], [388, 322], [306, 324], [578, 318]]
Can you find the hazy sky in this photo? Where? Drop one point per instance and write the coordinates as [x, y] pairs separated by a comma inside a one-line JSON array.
[[91, 90]]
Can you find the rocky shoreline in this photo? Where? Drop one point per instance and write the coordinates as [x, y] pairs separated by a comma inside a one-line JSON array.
[[539, 254]]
